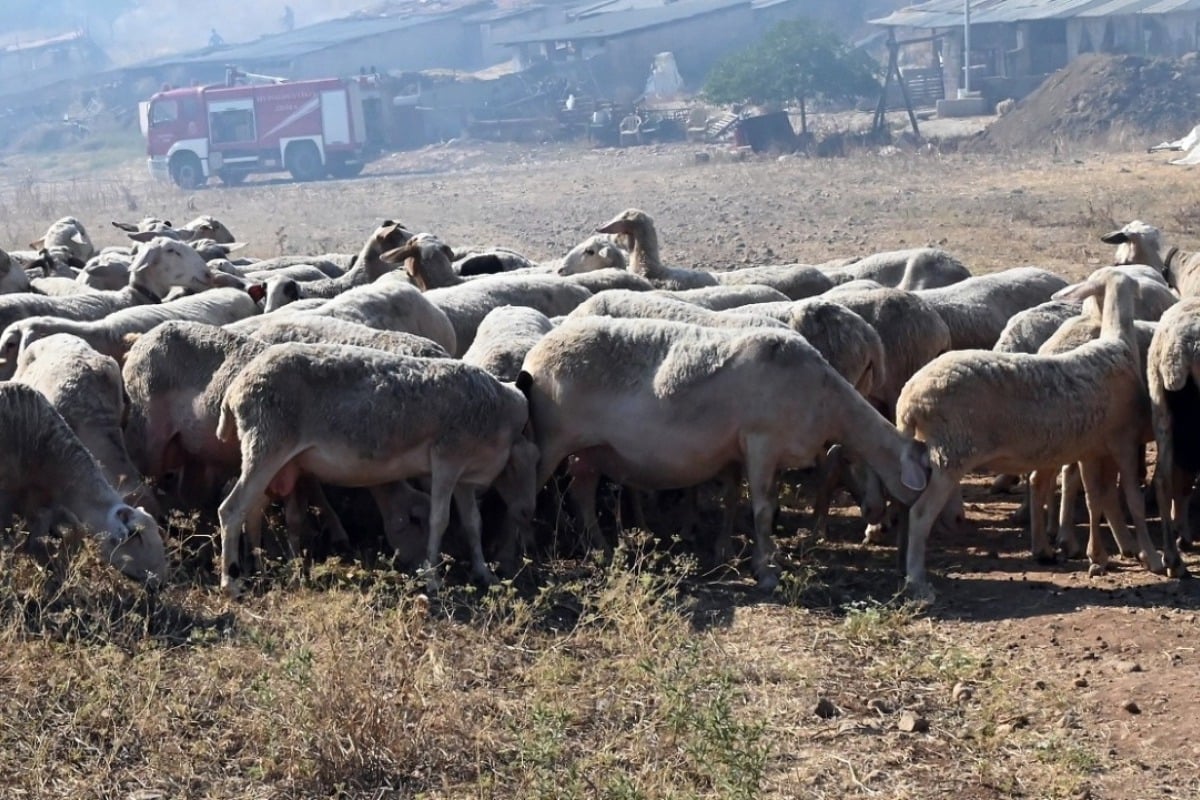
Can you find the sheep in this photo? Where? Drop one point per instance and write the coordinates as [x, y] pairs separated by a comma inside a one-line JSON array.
[[110, 335], [69, 234], [637, 226], [719, 298], [144, 225], [603, 280], [917, 268], [638, 305], [1016, 413], [12, 278], [390, 303], [664, 404], [202, 227], [160, 264], [593, 253], [796, 281], [1071, 334], [1141, 243], [468, 303], [45, 472], [912, 333], [86, 388], [506, 334], [491, 261], [291, 409], [1172, 370], [106, 271], [1028, 330], [367, 267], [334, 265], [977, 309]]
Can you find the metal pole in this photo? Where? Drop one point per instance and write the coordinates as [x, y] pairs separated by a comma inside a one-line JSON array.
[[967, 46]]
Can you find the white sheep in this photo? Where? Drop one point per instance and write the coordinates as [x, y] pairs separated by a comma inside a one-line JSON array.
[[663, 405], [1019, 413], [1141, 243], [506, 334], [977, 309], [1173, 374], [111, 334], [46, 475], [68, 234], [917, 268], [467, 303], [86, 388], [292, 409], [719, 298]]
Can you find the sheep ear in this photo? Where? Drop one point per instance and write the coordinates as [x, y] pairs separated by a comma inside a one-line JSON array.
[[231, 246], [142, 236], [128, 227], [1115, 237], [291, 291], [1078, 292], [78, 238], [37, 244], [401, 254], [914, 466], [353, 260], [448, 252]]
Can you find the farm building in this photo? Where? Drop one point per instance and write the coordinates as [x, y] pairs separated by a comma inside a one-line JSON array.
[[30, 65], [1016, 45]]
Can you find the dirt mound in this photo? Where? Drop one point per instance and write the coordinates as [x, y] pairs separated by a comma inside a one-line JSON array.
[[1105, 100]]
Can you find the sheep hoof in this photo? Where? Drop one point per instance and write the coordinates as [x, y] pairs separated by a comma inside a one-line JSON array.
[[1097, 570], [1178, 570], [232, 587], [919, 591], [1047, 559], [1153, 561], [767, 583]]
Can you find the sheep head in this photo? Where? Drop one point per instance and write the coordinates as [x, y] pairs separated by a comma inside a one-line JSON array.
[[131, 542], [207, 227], [164, 262], [630, 222], [1137, 243], [425, 259]]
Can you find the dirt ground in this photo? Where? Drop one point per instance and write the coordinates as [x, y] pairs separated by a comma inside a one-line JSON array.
[[1021, 681]]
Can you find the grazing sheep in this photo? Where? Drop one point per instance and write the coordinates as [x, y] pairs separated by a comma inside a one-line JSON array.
[[719, 298], [918, 268], [506, 334], [161, 264], [110, 335], [86, 388], [1016, 413], [664, 405], [1141, 243], [468, 303], [292, 409], [977, 309], [1173, 374], [1028, 330], [912, 332], [46, 474]]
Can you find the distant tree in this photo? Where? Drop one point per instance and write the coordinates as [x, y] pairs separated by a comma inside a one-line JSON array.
[[796, 61]]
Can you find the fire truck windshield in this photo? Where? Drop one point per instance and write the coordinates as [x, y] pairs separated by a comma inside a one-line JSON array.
[[163, 111]]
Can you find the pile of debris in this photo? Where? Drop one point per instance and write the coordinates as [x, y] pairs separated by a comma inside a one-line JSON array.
[[1104, 100]]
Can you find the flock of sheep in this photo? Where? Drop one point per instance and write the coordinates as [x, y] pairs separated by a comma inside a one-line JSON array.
[[171, 374]]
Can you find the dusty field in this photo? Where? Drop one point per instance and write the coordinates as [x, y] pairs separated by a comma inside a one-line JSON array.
[[648, 679]]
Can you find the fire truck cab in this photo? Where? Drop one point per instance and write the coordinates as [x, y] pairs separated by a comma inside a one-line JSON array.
[[308, 128]]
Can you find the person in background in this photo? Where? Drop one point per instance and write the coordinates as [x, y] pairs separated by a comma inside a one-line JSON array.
[[289, 19], [215, 39]]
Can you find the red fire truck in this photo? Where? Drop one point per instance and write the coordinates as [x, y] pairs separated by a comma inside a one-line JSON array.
[[308, 128]]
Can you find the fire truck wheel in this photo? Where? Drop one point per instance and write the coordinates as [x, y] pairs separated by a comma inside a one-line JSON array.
[[186, 171], [304, 161]]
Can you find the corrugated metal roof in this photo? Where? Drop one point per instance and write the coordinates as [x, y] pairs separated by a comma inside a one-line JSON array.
[[497, 14], [603, 26], [949, 13], [298, 42]]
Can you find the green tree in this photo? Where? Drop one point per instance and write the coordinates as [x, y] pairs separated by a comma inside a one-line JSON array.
[[796, 61]]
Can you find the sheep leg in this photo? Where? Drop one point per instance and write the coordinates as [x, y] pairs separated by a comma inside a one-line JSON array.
[[829, 476], [1127, 466], [1166, 480], [244, 506], [731, 481], [1071, 484], [1183, 491], [467, 503], [1093, 491], [585, 484], [441, 493], [760, 474], [1041, 496], [1110, 505], [1003, 484], [921, 518]]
